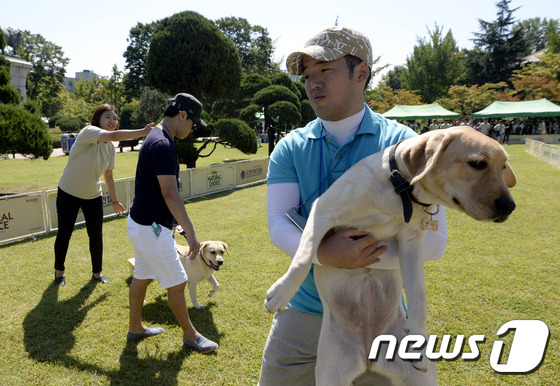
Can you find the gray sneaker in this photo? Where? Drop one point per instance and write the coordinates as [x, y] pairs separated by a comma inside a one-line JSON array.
[[201, 344], [149, 332]]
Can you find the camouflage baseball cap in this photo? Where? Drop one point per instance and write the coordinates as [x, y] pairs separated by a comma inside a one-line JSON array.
[[331, 44]]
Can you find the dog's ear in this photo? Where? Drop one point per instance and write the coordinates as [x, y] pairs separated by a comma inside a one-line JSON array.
[[423, 156], [225, 246], [509, 176], [203, 245]]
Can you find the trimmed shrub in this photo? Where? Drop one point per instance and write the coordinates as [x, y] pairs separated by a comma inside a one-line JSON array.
[[23, 132], [69, 124], [238, 134], [186, 153], [125, 117]]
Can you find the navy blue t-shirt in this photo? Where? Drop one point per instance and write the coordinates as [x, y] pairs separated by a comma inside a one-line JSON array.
[[157, 157]]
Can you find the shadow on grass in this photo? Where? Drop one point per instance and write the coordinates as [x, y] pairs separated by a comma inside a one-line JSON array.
[[48, 329], [159, 312], [150, 370], [49, 337]]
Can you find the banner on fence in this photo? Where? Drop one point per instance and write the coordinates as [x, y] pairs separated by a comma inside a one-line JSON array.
[[185, 183], [52, 213], [247, 172], [34, 213], [21, 215], [212, 178], [121, 186]]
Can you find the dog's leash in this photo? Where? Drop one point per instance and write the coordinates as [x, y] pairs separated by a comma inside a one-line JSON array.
[[403, 187]]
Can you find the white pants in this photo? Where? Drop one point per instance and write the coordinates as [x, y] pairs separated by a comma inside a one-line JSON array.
[[155, 256]]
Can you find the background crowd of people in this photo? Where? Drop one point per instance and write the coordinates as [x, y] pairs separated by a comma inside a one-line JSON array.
[[499, 129]]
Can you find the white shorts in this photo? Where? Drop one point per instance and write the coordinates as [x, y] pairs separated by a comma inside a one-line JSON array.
[[155, 257]]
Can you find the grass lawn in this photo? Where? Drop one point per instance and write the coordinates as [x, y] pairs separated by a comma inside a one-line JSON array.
[[489, 275]]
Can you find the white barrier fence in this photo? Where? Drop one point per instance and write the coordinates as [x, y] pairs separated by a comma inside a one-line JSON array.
[[32, 214], [543, 151]]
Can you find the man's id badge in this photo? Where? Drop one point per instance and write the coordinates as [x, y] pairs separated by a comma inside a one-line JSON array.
[[156, 228]]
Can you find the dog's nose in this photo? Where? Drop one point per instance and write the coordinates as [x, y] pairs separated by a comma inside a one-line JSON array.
[[220, 262], [504, 206]]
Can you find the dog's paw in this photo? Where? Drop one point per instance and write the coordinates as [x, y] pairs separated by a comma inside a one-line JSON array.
[[278, 296], [198, 306], [422, 364], [212, 293], [411, 329]]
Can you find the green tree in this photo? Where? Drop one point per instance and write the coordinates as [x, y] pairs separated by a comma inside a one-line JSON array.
[[553, 37], [112, 89], [266, 98], [235, 107], [384, 98], [249, 114], [307, 113], [231, 132], [539, 79], [534, 31], [469, 99], [2, 41], [125, 117], [433, 66], [238, 134], [282, 79], [150, 108], [136, 54], [287, 114], [21, 128], [254, 46], [188, 52], [46, 78], [275, 93], [75, 106], [498, 49], [250, 85], [8, 93], [393, 78], [88, 90]]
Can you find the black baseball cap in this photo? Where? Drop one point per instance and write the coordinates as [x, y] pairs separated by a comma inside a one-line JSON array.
[[191, 105]]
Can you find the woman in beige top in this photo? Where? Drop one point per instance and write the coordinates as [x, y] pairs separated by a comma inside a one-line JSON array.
[[91, 156]]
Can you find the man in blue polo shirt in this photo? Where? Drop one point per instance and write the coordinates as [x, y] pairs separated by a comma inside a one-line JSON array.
[[336, 64]]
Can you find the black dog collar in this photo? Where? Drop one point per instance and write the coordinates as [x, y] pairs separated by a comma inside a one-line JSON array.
[[209, 264], [402, 187]]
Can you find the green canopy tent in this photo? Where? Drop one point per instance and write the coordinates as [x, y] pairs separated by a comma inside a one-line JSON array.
[[433, 111], [537, 108]]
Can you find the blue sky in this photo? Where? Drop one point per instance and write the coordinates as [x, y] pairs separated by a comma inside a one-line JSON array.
[[93, 34]]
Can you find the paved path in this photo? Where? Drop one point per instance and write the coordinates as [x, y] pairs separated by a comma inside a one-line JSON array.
[[58, 152]]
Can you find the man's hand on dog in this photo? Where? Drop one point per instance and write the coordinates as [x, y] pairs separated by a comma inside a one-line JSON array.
[[194, 244], [349, 248]]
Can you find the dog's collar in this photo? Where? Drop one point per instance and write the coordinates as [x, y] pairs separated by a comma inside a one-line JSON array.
[[209, 264], [402, 186]]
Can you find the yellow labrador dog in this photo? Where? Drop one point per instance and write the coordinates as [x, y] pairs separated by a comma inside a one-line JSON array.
[[389, 195], [210, 259]]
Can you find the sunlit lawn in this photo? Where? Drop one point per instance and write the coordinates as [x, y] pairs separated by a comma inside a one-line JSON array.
[[489, 275]]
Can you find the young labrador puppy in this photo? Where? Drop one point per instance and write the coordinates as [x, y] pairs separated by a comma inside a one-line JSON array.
[[456, 167], [210, 259]]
